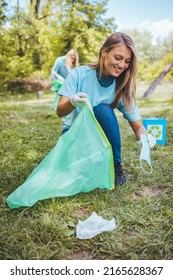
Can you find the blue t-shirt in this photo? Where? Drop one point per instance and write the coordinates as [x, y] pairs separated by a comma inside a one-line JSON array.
[[60, 67], [84, 79]]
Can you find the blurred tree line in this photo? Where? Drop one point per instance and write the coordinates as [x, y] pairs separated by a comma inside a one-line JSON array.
[[34, 32]]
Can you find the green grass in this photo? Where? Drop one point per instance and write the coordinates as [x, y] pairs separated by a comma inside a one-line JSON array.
[[142, 208]]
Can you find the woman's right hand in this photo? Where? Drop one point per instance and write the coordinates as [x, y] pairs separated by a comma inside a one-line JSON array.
[[78, 98]]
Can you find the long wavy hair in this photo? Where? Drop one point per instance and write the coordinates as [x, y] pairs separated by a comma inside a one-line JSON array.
[[126, 81]]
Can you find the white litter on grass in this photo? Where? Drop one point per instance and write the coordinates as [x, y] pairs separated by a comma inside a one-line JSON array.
[[93, 226]]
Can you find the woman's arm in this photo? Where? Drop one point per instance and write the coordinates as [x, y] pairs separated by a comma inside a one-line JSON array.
[[59, 77], [64, 106], [138, 128]]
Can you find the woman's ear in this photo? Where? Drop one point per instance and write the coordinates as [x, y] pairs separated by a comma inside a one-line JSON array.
[[103, 53]]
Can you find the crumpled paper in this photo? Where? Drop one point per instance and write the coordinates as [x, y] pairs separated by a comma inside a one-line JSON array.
[[93, 226]]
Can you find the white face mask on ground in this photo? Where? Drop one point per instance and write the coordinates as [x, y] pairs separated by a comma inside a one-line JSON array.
[[145, 153]]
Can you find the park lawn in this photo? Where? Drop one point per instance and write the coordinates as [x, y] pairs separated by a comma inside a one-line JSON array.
[[142, 208]]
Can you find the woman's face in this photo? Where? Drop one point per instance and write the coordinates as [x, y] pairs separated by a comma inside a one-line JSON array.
[[73, 58], [116, 61]]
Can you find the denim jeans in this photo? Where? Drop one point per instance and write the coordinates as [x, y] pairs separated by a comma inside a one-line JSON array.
[[106, 117]]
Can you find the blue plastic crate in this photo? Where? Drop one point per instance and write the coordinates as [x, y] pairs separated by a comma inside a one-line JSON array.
[[156, 127]]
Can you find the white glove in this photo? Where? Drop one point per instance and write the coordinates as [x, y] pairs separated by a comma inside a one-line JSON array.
[[78, 98], [151, 140]]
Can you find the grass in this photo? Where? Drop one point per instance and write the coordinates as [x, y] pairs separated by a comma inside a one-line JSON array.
[[142, 208]]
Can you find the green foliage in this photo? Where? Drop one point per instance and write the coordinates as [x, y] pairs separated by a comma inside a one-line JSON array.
[[3, 16], [142, 208], [46, 29], [20, 67], [143, 43], [152, 58], [150, 71], [34, 35], [82, 25]]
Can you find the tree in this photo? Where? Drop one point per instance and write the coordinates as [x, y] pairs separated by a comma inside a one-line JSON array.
[[143, 43], [35, 5], [82, 26], [149, 91], [3, 15], [42, 30]]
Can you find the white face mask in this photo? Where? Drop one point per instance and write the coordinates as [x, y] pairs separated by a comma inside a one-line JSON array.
[[145, 153]]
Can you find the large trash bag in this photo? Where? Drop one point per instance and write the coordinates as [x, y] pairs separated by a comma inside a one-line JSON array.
[[81, 161]]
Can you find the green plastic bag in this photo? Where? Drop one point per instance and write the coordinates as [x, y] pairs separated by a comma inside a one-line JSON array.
[[81, 161], [56, 85]]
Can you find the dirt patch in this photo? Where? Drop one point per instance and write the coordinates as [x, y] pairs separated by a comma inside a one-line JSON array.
[[149, 191], [83, 255], [81, 212]]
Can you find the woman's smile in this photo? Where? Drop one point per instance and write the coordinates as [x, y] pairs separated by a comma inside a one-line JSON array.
[[116, 61]]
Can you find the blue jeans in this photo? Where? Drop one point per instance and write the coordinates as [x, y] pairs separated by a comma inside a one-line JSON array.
[[106, 117]]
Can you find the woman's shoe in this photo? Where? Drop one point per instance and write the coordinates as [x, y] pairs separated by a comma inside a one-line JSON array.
[[120, 177]]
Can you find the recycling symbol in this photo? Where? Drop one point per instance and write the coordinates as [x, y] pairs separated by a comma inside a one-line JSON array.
[[156, 131]]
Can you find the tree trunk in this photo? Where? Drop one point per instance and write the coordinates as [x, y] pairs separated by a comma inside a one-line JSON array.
[[151, 88], [36, 7]]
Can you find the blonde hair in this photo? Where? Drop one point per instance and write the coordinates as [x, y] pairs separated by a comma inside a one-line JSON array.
[[68, 61], [126, 82]]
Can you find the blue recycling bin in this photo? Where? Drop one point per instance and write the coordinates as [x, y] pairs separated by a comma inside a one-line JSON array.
[[157, 128]]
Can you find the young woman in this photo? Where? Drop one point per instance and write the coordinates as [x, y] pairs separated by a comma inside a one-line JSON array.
[[64, 64], [109, 84]]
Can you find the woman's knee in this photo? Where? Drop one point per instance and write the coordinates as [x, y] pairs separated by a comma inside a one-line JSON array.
[[104, 110]]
